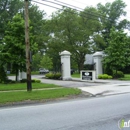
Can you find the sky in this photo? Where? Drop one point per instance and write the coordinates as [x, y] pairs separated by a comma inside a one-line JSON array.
[[78, 3]]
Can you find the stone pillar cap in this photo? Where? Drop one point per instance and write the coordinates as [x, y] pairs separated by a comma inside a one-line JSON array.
[[65, 53], [98, 53]]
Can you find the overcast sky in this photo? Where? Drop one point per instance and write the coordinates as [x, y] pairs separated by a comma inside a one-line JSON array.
[[78, 3]]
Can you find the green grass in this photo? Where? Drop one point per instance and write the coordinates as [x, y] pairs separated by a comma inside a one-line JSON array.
[[126, 77], [11, 97], [75, 75], [23, 86]]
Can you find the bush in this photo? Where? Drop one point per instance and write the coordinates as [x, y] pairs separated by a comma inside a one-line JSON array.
[[57, 75], [49, 75], [37, 81], [109, 77], [13, 81], [118, 74], [9, 81], [23, 80], [32, 80], [104, 76], [100, 76], [53, 75]]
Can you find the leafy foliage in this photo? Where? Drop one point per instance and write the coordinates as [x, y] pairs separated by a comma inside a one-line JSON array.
[[46, 62], [8, 9], [118, 74], [117, 53], [14, 44], [14, 47], [104, 76], [53, 75], [72, 31], [110, 14]]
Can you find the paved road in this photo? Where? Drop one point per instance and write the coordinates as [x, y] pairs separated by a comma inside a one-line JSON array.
[[99, 87], [61, 82], [101, 113]]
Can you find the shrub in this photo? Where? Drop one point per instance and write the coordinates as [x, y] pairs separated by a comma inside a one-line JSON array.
[[104, 76], [50, 75], [118, 74], [9, 81], [23, 80], [57, 75], [100, 76], [37, 81], [109, 77], [32, 80], [13, 81], [53, 75]]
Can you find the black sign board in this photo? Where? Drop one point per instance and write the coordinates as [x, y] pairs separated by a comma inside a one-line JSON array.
[[87, 75]]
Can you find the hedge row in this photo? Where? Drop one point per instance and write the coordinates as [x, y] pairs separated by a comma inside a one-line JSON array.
[[53, 75], [118, 74], [24, 81], [104, 76], [115, 75]]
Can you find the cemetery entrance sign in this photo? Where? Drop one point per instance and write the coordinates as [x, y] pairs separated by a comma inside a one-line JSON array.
[[87, 75]]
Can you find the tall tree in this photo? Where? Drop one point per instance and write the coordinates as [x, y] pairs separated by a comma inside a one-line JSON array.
[[110, 15], [8, 8], [39, 23], [118, 51], [72, 31], [14, 43]]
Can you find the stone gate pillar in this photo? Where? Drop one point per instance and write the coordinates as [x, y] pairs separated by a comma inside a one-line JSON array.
[[97, 57], [65, 62]]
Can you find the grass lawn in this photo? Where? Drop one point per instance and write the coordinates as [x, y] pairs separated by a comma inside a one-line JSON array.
[[23, 86], [11, 97], [75, 75], [127, 77]]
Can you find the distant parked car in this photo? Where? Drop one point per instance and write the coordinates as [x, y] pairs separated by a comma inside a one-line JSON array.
[[43, 71]]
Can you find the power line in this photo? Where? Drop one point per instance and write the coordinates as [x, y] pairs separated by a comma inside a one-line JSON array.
[[66, 10], [79, 7], [94, 15], [46, 4], [69, 4], [82, 9], [76, 1], [75, 8], [91, 13], [79, 2]]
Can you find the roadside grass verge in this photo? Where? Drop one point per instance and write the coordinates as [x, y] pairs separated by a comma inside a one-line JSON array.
[[23, 86], [11, 97], [126, 77]]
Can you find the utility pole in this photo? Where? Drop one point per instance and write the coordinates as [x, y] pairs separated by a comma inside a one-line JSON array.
[[28, 56]]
